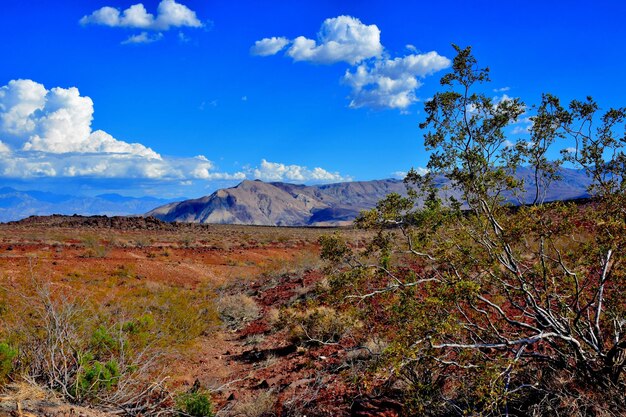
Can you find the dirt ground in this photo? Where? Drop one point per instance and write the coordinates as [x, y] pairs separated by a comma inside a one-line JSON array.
[[239, 366]]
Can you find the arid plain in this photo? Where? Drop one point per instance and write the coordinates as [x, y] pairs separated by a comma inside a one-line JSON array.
[[215, 293]]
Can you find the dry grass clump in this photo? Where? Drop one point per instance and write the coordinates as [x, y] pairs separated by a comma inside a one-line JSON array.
[[260, 406], [322, 325], [298, 264], [237, 310]]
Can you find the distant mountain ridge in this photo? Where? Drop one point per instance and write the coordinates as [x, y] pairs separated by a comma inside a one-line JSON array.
[[16, 204], [280, 204], [284, 204]]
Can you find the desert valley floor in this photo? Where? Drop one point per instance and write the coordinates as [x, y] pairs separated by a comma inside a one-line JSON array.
[[113, 261]]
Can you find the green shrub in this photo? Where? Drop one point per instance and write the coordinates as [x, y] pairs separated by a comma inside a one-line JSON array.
[[7, 354], [194, 404], [102, 341], [95, 376]]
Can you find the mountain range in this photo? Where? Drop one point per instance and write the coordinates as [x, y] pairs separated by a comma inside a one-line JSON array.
[[284, 204], [281, 204], [15, 204], [253, 202]]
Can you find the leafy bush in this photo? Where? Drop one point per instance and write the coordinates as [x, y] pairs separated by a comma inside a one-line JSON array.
[[7, 355], [94, 376], [102, 354], [103, 342], [194, 404]]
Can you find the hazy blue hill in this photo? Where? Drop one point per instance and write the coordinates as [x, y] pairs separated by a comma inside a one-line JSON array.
[[16, 204]]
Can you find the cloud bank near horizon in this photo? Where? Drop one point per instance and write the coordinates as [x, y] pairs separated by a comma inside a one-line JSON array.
[[47, 133], [376, 80]]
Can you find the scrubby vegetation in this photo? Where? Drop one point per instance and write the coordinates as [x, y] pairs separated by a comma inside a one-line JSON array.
[[194, 404], [476, 299], [109, 355], [131, 331], [491, 305]]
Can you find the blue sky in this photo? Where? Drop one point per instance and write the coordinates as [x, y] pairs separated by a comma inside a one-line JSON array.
[[173, 98]]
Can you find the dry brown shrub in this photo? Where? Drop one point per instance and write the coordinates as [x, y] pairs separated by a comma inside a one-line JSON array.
[[260, 406], [322, 325], [237, 310]]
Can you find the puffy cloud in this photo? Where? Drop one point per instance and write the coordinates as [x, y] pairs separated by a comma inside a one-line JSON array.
[[391, 83], [342, 38], [47, 133], [136, 16], [501, 99], [33, 118], [377, 80], [107, 16], [18, 100], [169, 14], [269, 46], [275, 171], [143, 37], [501, 90], [172, 14]]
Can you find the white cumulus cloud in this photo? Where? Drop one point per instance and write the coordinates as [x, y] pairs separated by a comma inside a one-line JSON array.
[[269, 46], [47, 132], [275, 171], [172, 14], [391, 83], [342, 38], [376, 79], [33, 118], [169, 14]]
